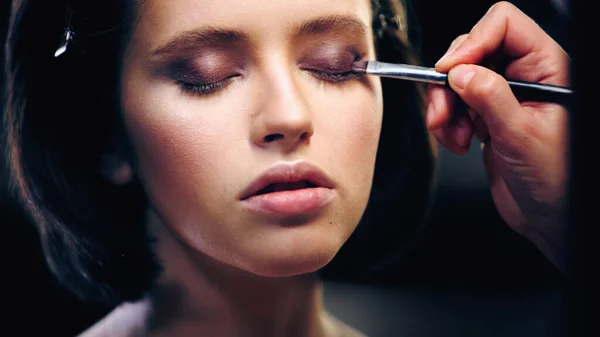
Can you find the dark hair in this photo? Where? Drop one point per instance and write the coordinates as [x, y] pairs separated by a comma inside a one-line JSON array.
[[62, 114]]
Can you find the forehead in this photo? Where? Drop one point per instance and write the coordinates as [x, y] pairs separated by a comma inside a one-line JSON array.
[[160, 20]]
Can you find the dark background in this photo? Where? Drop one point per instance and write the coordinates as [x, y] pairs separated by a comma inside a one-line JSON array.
[[470, 276]]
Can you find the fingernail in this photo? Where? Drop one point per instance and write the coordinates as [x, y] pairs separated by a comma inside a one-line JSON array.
[[461, 75], [450, 51], [443, 57]]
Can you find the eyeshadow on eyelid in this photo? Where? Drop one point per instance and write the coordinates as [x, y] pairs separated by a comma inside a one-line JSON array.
[[202, 56], [331, 57], [203, 66]]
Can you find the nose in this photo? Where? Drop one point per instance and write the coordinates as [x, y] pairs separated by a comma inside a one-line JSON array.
[[284, 120]]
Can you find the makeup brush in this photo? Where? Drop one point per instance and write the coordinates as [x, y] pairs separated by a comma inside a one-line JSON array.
[[524, 91]]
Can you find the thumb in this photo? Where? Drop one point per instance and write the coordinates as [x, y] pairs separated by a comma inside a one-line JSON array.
[[489, 94]]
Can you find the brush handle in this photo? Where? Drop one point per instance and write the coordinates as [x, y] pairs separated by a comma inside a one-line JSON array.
[[523, 91], [527, 91], [537, 92]]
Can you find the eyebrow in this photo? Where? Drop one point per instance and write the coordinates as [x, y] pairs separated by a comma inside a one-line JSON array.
[[205, 36], [329, 23], [220, 36]]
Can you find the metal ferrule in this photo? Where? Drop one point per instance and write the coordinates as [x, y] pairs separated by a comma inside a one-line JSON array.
[[407, 72]]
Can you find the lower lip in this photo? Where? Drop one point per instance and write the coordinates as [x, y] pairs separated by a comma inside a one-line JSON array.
[[289, 203]]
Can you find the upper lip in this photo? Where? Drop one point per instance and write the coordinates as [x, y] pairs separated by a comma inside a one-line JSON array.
[[287, 173]]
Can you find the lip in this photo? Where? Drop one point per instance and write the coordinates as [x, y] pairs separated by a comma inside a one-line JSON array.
[[289, 202]]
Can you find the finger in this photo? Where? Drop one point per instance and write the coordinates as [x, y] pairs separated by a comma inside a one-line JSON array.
[[462, 133], [456, 43], [441, 100], [440, 135], [472, 114], [441, 104], [549, 68], [480, 129], [456, 136], [489, 94], [444, 137], [503, 26]]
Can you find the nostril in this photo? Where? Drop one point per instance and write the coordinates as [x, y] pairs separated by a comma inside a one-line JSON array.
[[304, 136], [273, 137]]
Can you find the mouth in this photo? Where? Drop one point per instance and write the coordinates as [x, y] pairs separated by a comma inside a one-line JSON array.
[[288, 177], [289, 189], [285, 186]]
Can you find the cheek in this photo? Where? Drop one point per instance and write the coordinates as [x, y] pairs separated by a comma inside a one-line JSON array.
[[180, 145], [351, 125], [346, 139]]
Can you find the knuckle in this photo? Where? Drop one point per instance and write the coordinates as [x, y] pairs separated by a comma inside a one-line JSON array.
[[501, 6], [460, 39], [457, 42], [486, 85]]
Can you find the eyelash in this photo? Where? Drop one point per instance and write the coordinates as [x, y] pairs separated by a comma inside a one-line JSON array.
[[204, 88], [209, 88], [336, 78]]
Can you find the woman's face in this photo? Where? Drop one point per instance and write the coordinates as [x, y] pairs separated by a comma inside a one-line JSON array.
[[218, 93]]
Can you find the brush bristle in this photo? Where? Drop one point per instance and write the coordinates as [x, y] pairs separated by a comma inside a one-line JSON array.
[[360, 67]]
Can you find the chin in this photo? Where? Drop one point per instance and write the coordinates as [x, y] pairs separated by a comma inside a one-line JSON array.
[[302, 252], [278, 267]]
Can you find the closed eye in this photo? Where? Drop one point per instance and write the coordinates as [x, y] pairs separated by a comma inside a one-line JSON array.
[[204, 88], [335, 77]]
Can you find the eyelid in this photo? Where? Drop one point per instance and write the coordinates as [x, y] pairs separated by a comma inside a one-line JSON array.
[[190, 73], [204, 89], [337, 77], [332, 59], [203, 67], [330, 70], [198, 79]]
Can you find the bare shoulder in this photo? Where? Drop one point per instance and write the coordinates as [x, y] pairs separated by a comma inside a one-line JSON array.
[[126, 320]]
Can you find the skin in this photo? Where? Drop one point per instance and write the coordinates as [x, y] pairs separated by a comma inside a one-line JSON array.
[[525, 155], [236, 271], [230, 272]]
